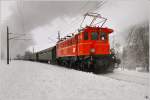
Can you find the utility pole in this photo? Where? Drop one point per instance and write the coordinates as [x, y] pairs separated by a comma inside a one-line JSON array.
[[7, 45], [13, 38], [58, 35]]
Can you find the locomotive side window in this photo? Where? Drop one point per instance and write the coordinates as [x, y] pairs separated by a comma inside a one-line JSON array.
[[86, 36], [103, 36], [94, 36]]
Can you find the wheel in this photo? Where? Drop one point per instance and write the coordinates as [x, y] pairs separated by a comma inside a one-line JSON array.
[[82, 66], [97, 67]]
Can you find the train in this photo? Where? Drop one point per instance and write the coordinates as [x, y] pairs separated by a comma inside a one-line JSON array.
[[87, 50]]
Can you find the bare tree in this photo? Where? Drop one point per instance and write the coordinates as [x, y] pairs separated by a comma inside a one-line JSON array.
[[137, 48]]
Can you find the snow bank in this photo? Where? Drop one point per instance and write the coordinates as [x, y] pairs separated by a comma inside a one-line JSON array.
[[23, 80]]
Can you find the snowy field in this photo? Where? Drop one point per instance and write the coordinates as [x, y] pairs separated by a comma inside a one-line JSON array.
[[130, 76], [24, 80]]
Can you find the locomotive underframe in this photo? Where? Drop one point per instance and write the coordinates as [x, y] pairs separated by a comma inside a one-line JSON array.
[[91, 63]]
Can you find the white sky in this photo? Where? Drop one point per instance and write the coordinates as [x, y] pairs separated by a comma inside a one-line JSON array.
[[5, 11], [49, 32], [120, 14]]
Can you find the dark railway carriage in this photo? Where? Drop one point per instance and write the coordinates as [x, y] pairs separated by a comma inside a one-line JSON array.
[[48, 55], [53, 55]]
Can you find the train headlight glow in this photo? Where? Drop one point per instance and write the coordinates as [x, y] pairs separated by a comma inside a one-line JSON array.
[[102, 38], [92, 50]]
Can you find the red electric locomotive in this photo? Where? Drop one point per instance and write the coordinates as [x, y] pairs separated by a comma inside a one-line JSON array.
[[89, 49]]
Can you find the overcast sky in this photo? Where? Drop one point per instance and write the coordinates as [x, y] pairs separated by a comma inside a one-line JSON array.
[[41, 20]]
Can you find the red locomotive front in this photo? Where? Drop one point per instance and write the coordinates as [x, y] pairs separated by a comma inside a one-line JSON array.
[[94, 41]]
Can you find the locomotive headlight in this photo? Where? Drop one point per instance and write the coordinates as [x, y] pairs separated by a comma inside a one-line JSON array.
[[92, 50], [102, 38]]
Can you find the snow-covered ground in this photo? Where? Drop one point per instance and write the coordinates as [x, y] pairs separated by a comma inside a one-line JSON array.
[[130, 76], [24, 80]]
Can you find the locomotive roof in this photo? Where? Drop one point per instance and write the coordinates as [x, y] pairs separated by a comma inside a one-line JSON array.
[[104, 29], [89, 28]]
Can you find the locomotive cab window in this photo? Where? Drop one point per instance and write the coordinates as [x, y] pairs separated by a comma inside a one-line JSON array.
[[94, 36], [86, 36], [103, 36]]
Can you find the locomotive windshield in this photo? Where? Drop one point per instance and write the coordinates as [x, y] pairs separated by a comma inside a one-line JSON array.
[[94, 36], [103, 36]]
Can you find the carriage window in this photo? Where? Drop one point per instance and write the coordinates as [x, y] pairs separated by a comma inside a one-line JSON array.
[[94, 36], [85, 36], [103, 36]]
